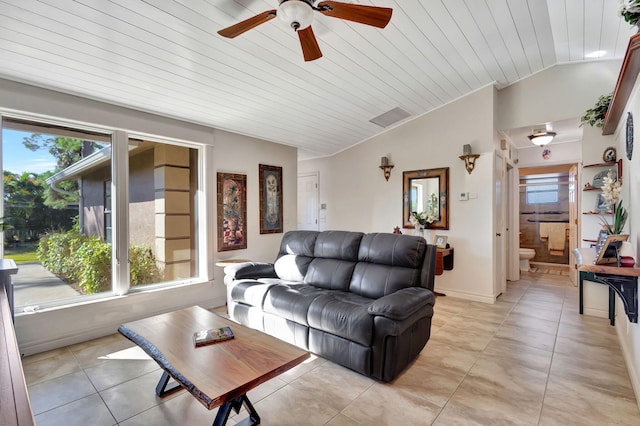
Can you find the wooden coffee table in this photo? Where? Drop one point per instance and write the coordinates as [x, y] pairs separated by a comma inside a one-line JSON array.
[[220, 374]]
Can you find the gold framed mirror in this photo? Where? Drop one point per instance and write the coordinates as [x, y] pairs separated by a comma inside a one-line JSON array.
[[426, 190]]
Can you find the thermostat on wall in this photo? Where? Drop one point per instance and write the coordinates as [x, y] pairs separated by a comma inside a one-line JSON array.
[[463, 196]]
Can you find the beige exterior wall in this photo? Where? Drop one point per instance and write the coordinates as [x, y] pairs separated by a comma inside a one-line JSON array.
[[173, 230]]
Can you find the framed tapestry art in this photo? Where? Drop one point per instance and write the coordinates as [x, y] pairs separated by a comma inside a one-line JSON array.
[[232, 211], [270, 199]]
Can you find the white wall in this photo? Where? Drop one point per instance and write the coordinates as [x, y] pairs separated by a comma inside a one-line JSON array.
[[226, 152], [358, 197], [563, 153], [557, 93], [629, 333]]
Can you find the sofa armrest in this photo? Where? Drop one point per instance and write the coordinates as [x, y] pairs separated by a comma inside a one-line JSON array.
[[403, 303], [250, 270]]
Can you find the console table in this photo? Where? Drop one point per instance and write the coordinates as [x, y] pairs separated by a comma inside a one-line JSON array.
[[623, 281], [444, 260]]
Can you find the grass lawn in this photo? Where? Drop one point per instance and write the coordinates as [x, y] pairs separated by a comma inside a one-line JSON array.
[[24, 253]]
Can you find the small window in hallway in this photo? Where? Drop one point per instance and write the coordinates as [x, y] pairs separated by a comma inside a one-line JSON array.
[[541, 189]]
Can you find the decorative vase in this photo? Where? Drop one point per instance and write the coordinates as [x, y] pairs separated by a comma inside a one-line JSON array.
[[429, 236], [419, 230]]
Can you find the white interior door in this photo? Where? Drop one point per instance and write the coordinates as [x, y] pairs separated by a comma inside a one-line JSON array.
[[308, 197], [499, 225]]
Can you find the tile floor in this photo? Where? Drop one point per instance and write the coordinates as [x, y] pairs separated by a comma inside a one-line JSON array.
[[530, 359]]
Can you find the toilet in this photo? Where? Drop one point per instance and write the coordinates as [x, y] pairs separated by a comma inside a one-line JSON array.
[[526, 254]]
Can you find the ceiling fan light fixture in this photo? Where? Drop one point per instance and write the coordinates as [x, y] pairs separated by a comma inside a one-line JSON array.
[[541, 137], [298, 14]]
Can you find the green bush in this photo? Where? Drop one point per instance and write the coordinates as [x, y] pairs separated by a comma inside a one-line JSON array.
[[56, 251], [94, 258], [86, 261], [143, 266]]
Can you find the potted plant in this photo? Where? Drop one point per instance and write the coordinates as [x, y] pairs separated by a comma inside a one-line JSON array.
[[630, 11], [595, 116]]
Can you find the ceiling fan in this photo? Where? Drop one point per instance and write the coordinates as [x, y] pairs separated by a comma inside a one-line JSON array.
[[298, 14]]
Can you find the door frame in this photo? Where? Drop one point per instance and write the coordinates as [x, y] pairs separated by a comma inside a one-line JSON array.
[[500, 235], [513, 234]]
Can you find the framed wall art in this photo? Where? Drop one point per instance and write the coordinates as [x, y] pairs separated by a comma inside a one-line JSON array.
[[271, 220], [232, 211]]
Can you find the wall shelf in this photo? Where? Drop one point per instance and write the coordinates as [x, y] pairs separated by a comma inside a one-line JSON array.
[[612, 163], [617, 163], [626, 80]]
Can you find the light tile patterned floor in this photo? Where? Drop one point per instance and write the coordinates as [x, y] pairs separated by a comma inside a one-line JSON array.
[[529, 359]]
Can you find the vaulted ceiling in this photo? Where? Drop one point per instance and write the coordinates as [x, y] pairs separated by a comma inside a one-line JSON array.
[[165, 57]]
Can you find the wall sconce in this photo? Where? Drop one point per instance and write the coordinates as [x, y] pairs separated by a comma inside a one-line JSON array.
[[386, 167], [468, 158]]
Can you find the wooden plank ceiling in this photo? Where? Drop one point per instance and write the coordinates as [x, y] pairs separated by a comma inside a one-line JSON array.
[[165, 57]]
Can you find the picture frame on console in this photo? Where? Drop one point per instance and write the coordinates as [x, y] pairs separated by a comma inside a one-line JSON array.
[[232, 211], [607, 248], [271, 217], [441, 241]]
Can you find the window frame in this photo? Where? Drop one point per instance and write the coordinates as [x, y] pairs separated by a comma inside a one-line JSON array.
[[119, 140]]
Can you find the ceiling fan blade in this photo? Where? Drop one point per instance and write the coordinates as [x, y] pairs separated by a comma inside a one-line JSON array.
[[247, 24], [369, 15], [310, 48]]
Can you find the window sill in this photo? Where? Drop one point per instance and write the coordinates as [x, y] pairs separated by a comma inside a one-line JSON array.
[[106, 298]]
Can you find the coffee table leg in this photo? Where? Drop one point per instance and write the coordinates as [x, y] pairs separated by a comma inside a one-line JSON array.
[[161, 388], [236, 404]]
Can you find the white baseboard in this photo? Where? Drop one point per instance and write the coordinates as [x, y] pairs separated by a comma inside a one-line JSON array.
[[476, 297]]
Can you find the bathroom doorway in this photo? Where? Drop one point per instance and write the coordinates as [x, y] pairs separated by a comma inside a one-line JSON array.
[[545, 210]]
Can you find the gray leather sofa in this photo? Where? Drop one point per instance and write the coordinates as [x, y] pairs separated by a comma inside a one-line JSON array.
[[364, 301]]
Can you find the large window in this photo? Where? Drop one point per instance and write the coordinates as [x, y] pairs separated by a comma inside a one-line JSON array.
[[66, 219]]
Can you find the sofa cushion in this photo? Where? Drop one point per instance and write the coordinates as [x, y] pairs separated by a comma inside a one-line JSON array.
[[342, 314], [250, 292], [393, 249], [295, 254], [291, 301], [342, 245], [336, 253], [387, 263], [374, 281], [330, 274]]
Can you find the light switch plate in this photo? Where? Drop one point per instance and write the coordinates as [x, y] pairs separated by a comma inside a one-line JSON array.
[[463, 196]]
